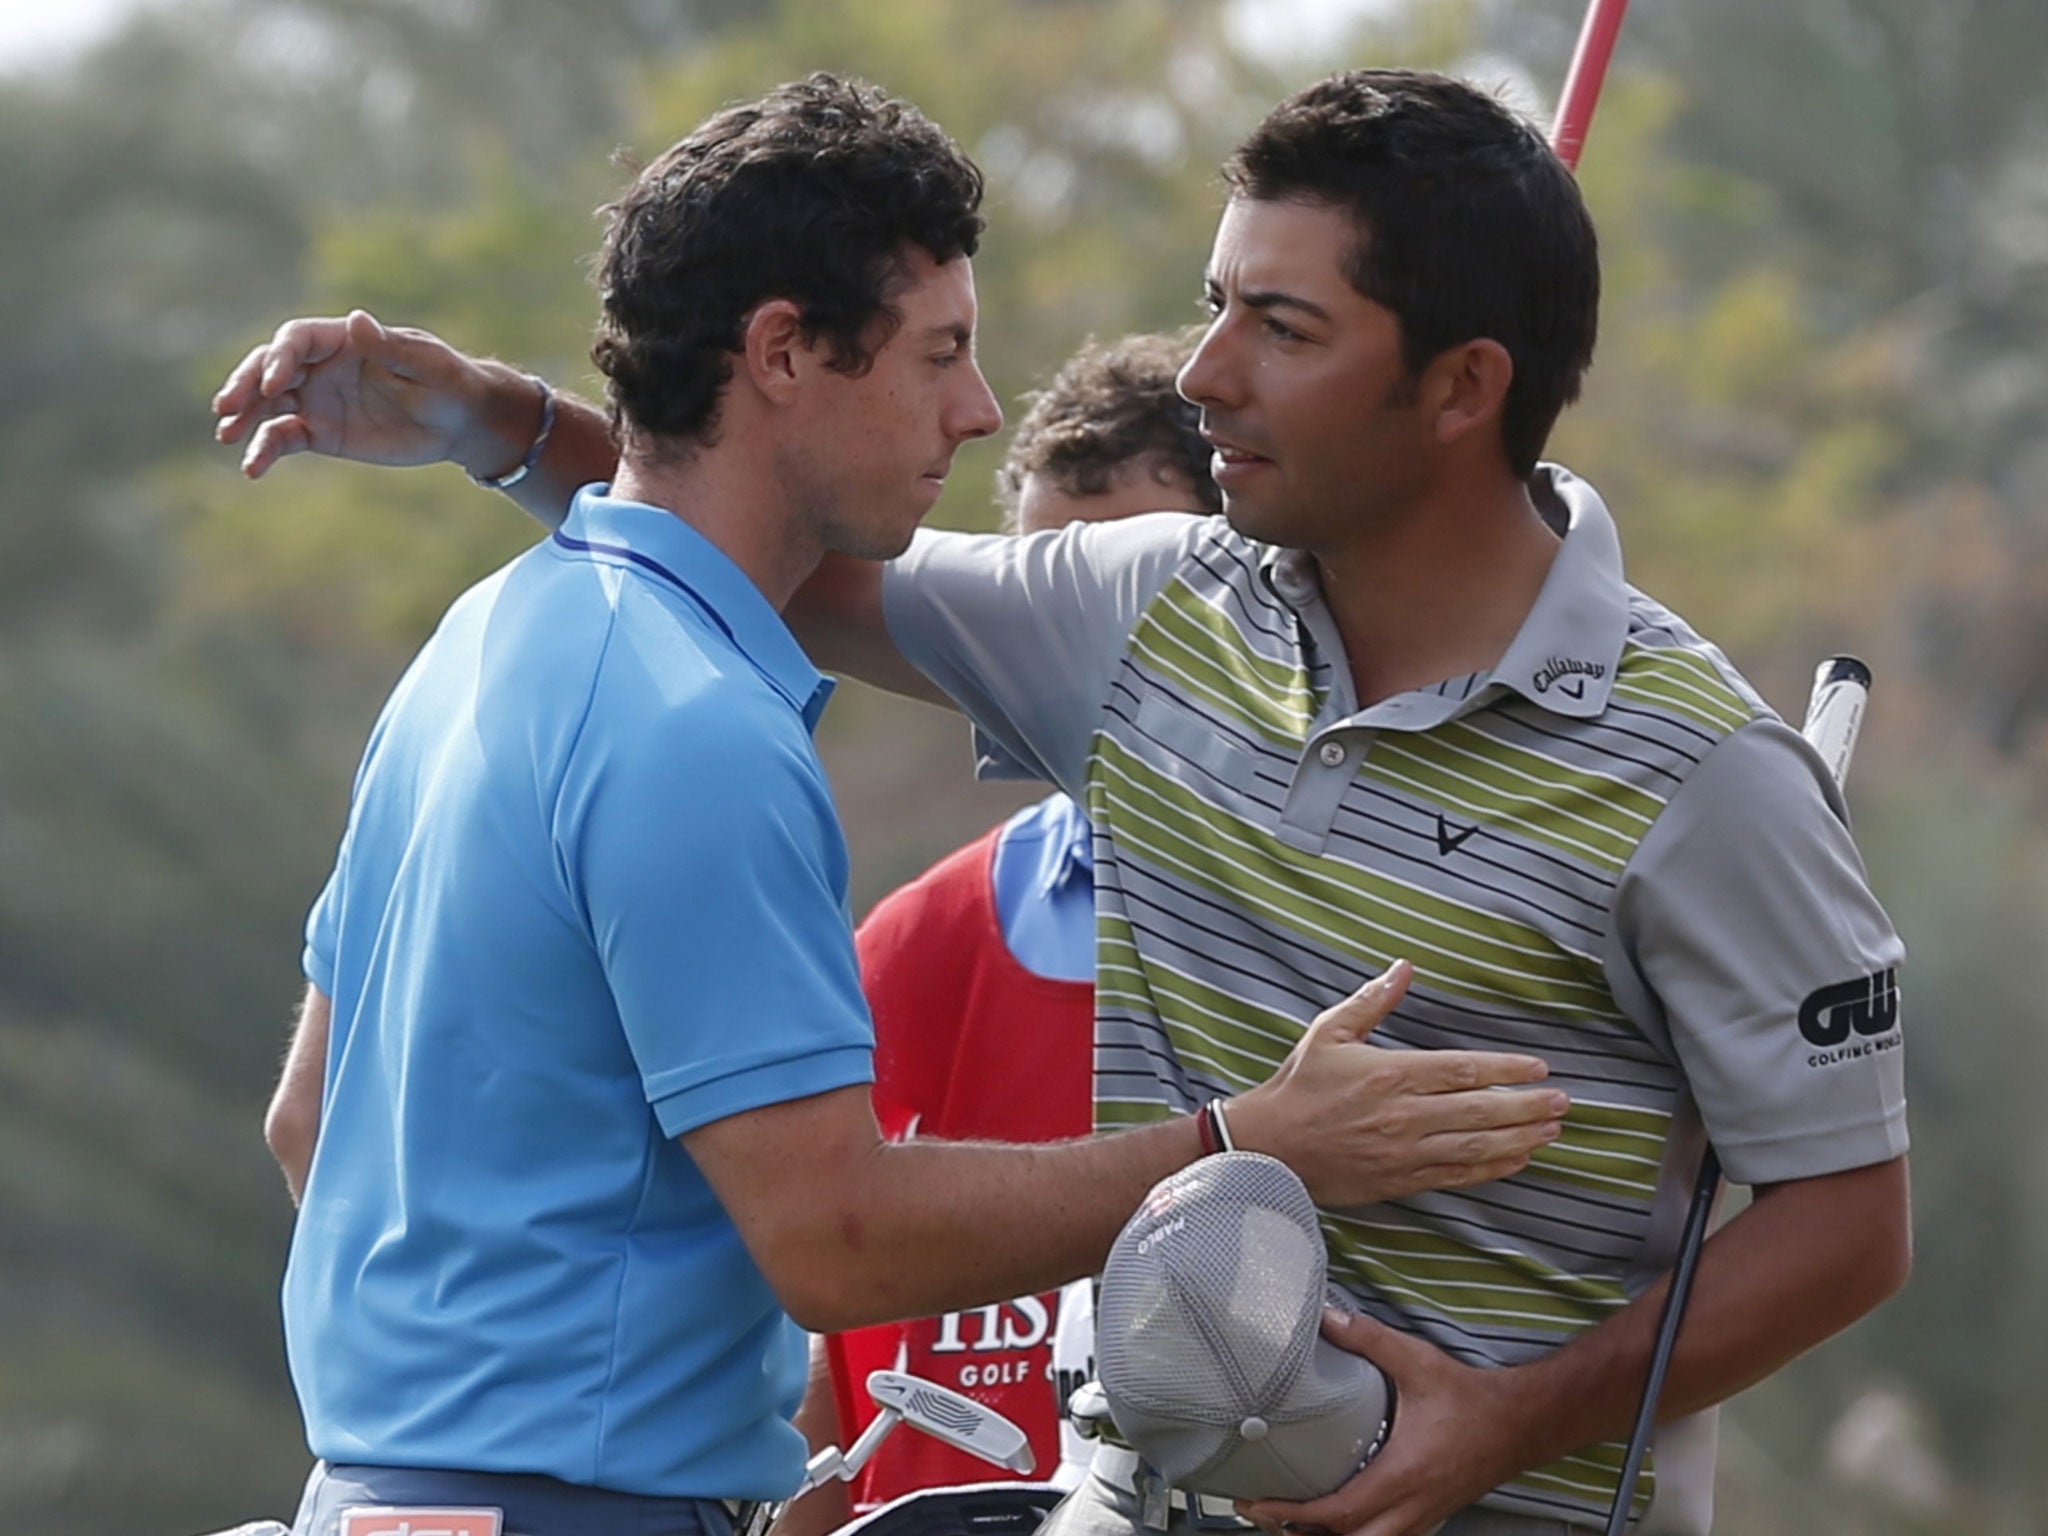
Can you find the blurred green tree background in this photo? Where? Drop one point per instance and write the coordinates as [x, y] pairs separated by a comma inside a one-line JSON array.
[[1820, 412]]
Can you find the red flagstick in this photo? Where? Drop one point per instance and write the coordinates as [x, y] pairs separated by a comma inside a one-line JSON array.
[[1574, 116], [1588, 73]]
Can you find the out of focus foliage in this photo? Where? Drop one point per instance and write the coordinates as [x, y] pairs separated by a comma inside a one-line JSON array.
[[1820, 412]]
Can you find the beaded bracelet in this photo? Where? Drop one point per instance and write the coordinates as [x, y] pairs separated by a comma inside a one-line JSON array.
[[512, 477]]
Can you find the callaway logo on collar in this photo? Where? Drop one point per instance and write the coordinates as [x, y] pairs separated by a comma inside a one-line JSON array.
[[1558, 668]]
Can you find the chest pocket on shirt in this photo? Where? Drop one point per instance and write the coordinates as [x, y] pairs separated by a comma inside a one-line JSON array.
[[1197, 743]]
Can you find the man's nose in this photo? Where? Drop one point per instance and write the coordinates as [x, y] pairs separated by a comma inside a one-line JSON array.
[[1207, 378], [979, 415]]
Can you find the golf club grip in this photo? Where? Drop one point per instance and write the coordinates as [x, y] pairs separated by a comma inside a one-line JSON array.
[[1834, 717], [1834, 712]]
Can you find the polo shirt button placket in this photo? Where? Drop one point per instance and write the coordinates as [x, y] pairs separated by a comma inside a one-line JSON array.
[[1319, 786]]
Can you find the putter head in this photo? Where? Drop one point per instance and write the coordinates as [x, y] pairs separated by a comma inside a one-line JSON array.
[[958, 1421]]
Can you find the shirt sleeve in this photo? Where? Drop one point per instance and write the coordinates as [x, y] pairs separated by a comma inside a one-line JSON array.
[[1746, 935], [1025, 633], [318, 959], [705, 855]]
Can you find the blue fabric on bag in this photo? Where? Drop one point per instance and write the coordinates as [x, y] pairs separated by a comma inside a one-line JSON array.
[[1044, 880]]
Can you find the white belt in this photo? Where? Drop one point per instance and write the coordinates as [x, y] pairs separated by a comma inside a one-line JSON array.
[[1120, 1468]]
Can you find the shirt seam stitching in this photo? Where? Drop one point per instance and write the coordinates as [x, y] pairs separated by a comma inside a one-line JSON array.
[[576, 746], [635, 561]]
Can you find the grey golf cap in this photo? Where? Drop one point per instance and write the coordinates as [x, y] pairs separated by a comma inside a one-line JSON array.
[[1209, 1344]]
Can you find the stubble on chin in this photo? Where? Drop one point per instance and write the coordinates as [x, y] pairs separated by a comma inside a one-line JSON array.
[[873, 532], [826, 520], [833, 521], [868, 545], [1257, 520], [871, 538]]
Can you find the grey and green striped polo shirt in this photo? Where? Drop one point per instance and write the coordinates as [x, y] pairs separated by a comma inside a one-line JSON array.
[[1607, 852]]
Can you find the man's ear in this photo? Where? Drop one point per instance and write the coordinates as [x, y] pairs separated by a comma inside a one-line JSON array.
[[1466, 387], [774, 349]]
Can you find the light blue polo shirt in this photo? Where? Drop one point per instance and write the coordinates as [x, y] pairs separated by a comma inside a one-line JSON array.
[[592, 895]]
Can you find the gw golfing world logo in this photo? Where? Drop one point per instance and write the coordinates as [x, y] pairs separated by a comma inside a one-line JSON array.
[[1852, 1019]]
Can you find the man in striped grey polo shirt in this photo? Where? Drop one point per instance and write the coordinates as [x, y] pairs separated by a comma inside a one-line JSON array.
[[1400, 703]]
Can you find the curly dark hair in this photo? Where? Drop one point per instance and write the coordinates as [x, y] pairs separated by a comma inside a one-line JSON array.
[[1469, 226], [810, 194], [1112, 405]]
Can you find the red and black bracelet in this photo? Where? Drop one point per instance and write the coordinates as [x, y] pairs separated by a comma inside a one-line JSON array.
[[1214, 1129]]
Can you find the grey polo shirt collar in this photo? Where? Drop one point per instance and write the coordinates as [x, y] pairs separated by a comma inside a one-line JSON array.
[[1565, 655]]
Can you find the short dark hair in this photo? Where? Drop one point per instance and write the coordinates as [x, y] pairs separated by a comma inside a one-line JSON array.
[[1469, 226], [810, 194], [1111, 407]]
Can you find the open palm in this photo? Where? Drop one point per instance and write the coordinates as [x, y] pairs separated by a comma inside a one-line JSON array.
[[350, 388]]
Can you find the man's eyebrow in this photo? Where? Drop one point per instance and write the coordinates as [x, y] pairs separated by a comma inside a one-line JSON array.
[[960, 335], [1273, 298], [1268, 298]]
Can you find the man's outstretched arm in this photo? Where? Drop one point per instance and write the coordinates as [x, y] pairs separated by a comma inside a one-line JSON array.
[[1804, 1261], [350, 387], [850, 1229]]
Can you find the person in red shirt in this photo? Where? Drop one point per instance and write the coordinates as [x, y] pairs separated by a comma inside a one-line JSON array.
[[980, 972]]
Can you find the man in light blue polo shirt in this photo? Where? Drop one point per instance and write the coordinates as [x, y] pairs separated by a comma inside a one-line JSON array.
[[593, 870], [621, 701], [584, 1046]]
